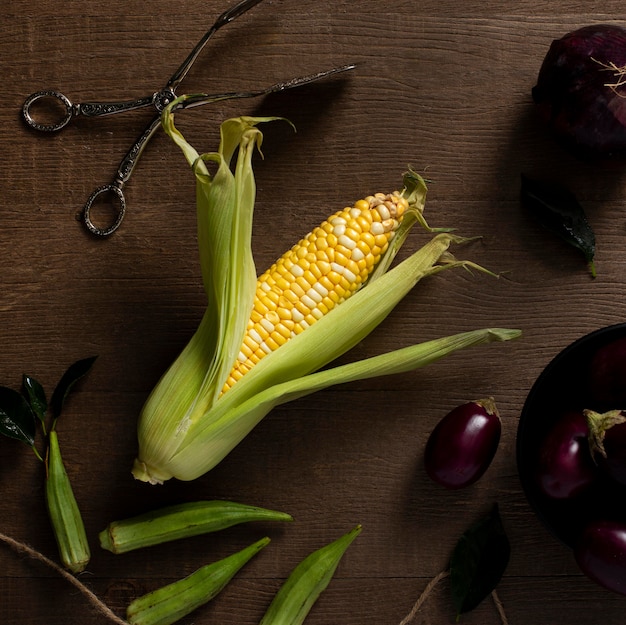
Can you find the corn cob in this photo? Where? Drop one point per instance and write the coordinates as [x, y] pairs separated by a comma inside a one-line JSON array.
[[322, 270], [188, 423]]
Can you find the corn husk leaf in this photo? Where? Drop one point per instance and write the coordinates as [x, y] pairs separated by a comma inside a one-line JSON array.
[[225, 202], [223, 430]]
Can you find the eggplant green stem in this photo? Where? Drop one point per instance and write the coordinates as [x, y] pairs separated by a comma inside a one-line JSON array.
[[598, 424]]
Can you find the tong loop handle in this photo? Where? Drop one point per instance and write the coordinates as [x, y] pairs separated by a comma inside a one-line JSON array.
[[119, 214], [47, 95]]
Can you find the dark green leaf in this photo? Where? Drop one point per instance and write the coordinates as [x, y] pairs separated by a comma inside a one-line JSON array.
[[16, 417], [478, 562], [558, 210], [36, 396], [74, 373]]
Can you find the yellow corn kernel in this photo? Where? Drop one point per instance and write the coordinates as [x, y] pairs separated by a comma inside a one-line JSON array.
[[259, 332], [301, 307], [283, 331], [298, 290], [245, 353], [334, 277], [282, 283]]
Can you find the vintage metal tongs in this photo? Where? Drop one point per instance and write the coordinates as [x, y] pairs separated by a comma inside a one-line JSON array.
[[159, 101]]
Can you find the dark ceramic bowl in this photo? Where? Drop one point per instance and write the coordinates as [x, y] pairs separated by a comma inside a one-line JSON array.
[[563, 386]]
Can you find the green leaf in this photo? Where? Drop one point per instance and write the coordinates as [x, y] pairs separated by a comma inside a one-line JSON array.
[[73, 373], [35, 396], [16, 417], [478, 562], [557, 209]]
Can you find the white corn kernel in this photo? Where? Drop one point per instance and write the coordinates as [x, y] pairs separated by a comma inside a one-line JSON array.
[[314, 295], [377, 228], [346, 241]]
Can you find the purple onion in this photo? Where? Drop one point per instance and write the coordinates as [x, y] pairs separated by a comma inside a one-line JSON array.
[[581, 91]]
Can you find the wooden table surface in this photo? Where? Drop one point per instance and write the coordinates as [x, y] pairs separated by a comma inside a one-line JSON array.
[[443, 86]]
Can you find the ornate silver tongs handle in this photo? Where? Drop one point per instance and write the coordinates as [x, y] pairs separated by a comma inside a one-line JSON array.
[[158, 100]]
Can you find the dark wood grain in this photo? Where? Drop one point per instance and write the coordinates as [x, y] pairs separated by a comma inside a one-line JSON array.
[[441, 86]]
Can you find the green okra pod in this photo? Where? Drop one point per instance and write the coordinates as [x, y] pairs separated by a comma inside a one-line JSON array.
[[65, 516], [170, 603], [306, 582], [181, 521]]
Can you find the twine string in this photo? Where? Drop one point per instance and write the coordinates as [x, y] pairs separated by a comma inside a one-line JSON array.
[[99, 605], [102, 608], [422, 598], [499, 607], [429, 589]]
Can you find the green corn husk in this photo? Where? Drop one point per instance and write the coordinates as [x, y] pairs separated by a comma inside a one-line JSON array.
[[186, 427], [306, 582], [170, 603], [64, 513]]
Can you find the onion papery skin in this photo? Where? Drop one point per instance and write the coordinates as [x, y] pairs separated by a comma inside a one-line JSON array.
[[579, 91]]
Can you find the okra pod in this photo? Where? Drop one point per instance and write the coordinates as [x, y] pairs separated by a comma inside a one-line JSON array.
[[65, 516], [306, 582], [170, 603], [181, 521]]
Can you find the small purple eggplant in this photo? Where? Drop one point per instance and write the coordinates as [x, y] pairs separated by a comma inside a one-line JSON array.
[[607, 436], [565, 467], [601, 554], [607, 374], [461, 447]]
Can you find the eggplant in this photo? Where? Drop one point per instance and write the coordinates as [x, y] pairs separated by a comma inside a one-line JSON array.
[[580, 91], [565, 467], [462, 445], [601, 554], [607, 375]]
